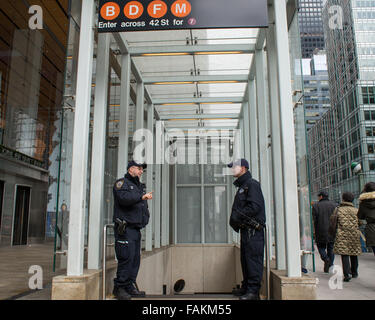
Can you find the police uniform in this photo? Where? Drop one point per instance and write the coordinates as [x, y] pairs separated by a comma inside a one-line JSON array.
[[250, 202], [129, 207]]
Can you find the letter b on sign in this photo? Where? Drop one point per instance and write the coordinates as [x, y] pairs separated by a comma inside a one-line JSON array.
[[110, 11]]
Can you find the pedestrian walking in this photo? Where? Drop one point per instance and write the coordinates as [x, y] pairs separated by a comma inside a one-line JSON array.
[[367, 212], [344, 227], [321, 213]]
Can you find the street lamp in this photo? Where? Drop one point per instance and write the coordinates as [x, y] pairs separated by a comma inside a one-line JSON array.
[[357, 170]]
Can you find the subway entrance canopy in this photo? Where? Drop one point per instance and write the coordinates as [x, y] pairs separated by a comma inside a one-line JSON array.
[[186, 70]]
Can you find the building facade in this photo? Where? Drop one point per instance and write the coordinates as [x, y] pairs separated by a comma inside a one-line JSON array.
[[315, 88], [345, 133], [32, 67], [311, 26]]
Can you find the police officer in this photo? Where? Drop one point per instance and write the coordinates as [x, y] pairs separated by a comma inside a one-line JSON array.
[[248, 206], [130, 216]]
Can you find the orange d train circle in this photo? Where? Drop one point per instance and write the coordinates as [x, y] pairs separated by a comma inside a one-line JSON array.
[[110, 11], [157, 9], [133, 10], [181, 8]]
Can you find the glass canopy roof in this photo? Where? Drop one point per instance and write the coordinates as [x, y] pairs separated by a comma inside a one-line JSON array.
[[170, 77]]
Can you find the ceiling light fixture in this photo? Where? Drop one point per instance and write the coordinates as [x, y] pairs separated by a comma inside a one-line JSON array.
[[166, 54], [179, 104], [177, 82], [219, 52], [217, 81]]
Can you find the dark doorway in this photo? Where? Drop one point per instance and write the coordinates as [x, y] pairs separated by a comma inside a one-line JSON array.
[[1, 200], [21, 215]]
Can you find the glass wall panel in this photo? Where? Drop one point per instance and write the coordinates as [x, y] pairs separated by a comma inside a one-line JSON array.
[[215, 214], [189, 174], [189, 215], [214, 174]]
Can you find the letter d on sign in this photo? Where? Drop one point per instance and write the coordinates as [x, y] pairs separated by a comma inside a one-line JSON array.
[[36, 280]]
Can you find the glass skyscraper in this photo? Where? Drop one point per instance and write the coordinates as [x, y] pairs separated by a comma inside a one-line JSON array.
[[315, 87], [311, 26], [346, 133]]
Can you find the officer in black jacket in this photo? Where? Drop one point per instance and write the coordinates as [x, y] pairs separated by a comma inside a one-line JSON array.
[[248, 205], [130, 216]]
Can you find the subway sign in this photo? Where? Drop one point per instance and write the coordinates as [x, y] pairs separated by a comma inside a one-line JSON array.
[[142, 15]]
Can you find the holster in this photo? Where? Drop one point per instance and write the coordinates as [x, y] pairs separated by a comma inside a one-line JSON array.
[[121, 226]]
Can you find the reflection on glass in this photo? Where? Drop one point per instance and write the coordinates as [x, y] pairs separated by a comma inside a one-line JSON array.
[[189, 215], [215, 214], [188, 174], [214, 174]]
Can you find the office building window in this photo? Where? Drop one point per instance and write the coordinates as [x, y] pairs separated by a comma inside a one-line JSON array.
[[368, 95]]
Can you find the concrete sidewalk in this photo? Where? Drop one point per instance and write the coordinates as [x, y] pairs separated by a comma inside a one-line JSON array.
[[361, 288], [15, 262]]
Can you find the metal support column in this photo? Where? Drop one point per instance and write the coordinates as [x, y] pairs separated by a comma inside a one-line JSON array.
[[139, 122], [123, 145], [149, 173], [157, 193], [164, 192], [80, 142], [99, 150], [278, 195], [246, 130], [263, 129], [253, 116], [293, 253]]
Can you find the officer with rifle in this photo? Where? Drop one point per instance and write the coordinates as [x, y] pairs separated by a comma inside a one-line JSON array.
[[248, 218]]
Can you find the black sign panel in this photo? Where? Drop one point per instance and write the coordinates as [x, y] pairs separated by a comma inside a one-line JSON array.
[[142, 15]]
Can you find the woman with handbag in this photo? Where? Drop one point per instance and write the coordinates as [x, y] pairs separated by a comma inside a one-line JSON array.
[[344, 226]]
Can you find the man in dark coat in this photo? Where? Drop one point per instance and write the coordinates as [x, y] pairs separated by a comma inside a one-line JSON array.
[[130, 216], [248, 206], [321, 213], [367, 212]]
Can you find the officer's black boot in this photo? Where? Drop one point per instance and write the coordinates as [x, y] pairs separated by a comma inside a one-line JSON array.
[[134, 292], [239, 291], [121, 294], [250, 296]]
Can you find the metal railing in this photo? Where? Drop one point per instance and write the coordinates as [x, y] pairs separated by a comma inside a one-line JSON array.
[[268, 267], [105, 258]]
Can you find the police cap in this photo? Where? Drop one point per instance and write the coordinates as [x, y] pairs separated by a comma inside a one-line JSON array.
[[239, 162], [133, 163]]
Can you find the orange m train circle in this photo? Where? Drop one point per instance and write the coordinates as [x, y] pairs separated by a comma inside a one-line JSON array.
[[155, 9], [181, 8]]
